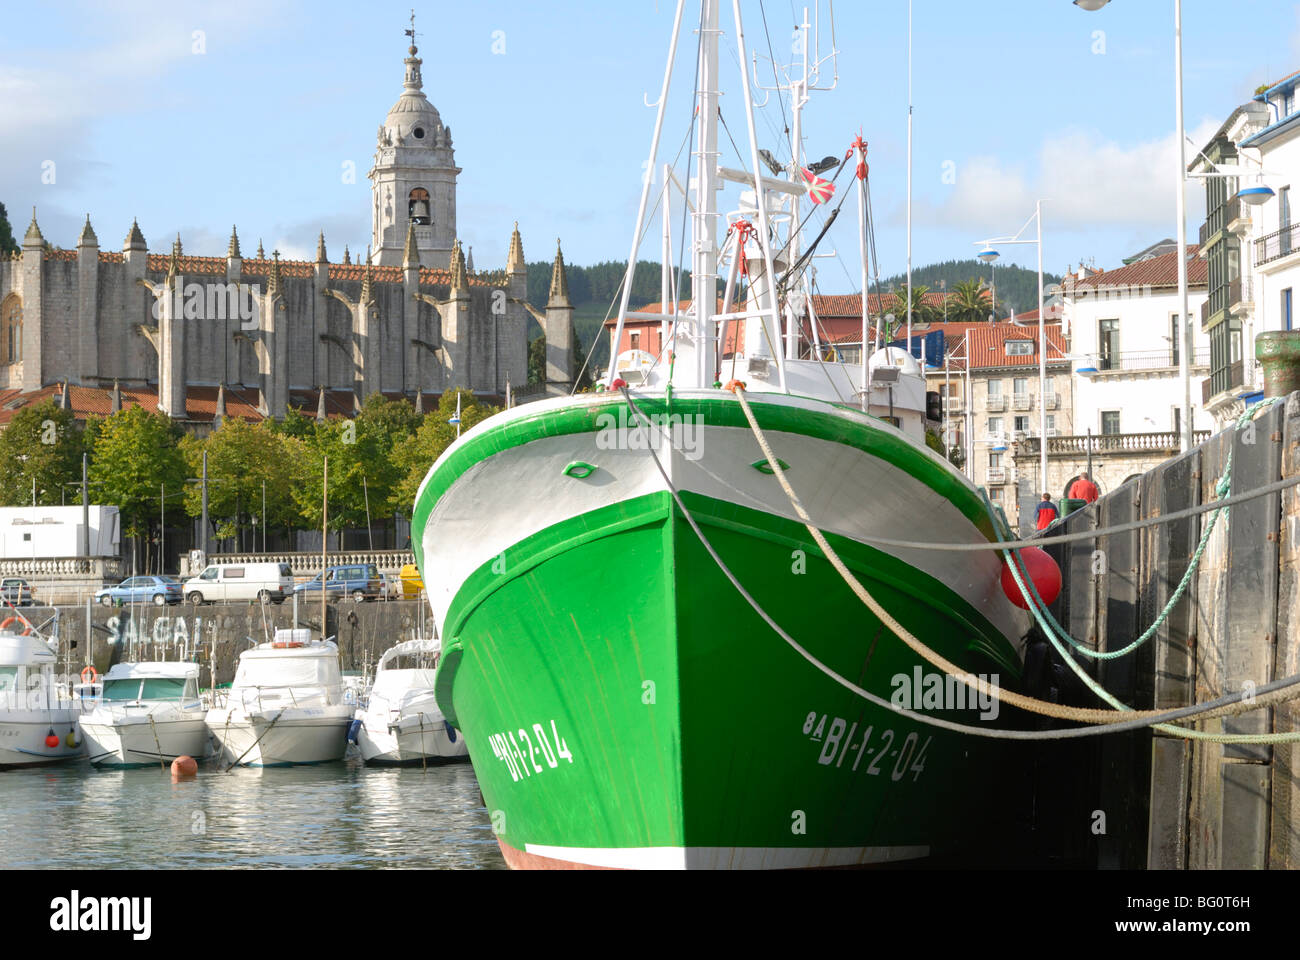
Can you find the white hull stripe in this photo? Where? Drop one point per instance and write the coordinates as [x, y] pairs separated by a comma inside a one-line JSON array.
[[733, 858]]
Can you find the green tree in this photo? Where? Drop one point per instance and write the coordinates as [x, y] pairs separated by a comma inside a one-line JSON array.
[[922, 312], [415, 455], [41, 443], [241, 456], [135, 453], [969, 303], [294, 424], [7, 242]]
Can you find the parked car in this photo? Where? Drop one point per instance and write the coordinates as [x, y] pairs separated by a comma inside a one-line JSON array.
[[358, 581], [157, 590], [16, 592], [240, 581]]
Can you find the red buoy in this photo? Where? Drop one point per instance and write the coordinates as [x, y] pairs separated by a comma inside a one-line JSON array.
[[1043, 572], [52, 740], [184, 767]]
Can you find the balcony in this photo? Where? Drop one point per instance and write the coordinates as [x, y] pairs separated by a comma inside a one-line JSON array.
[[1023, 401], [1111, 444], [953, 405], [1277, 244], [995, 404], [1223, 381], [1152, 360], [1241, 296], [997, 475], [996, 438], [1238, 216], [1053, 401]]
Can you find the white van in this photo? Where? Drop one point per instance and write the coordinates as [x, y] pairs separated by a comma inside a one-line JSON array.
[[240, 581]]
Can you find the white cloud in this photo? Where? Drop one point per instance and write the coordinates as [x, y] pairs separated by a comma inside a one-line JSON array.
[[1087, 181]]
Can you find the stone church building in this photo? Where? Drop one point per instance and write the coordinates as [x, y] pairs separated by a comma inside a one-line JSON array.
[[203, 337]]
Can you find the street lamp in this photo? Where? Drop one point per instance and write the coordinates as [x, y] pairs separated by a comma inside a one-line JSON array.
[[1184, 361], [988, 254]]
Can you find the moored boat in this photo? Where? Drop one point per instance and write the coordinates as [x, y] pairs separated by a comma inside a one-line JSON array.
[[402, 723], [147, 713], [38, 718], [286, 705]]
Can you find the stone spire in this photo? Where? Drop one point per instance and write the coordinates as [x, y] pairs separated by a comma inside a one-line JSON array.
[[347, 257], [469, 261], [219, 417], [458, 279], [134, 238], [177, 249], [65, 401], [273, 280], [515, 258], [412, 256], [88, 238], [33, 236], [320, 249], [559, 279], [366, 294], [320, 406], [173, 262], [419, 402], [115, 404], [261, 254], [232, 251]]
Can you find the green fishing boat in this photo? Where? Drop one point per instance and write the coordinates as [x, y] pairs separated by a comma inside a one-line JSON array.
[[605, 570]]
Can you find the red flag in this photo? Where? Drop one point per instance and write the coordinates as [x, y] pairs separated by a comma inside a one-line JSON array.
[[818, 189]]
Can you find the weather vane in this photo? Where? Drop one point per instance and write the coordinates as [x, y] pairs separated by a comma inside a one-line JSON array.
[[411, 33]]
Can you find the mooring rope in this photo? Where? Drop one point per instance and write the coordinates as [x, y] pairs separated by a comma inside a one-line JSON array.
[[1115, 722]]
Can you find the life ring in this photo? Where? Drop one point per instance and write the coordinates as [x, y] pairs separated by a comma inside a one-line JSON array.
[[93, 674], [27, 627]]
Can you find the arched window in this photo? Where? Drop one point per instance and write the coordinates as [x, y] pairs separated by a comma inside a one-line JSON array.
[[418, 207], [11, 330]]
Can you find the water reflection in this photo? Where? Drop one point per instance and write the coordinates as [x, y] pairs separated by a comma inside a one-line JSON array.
[[333, 815]]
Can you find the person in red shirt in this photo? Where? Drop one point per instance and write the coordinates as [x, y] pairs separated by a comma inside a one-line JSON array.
[[1083, 489], [1046, 512]]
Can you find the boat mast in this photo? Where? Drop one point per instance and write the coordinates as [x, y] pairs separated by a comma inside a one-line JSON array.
[[909, 179], [704, 272], [647, 180]]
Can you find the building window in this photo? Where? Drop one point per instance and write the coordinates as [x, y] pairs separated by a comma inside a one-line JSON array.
[[1286, 309], [1019, 348], [11, 330], [995, 460], [1022, 424], [1108, 344], [636, 341], [1178, 420], [1173, 340], [1020, 385], [995, 425], [1109, 422], [1284, 219], [995, 494], [995, 389], [1051, 423], [418, 207]]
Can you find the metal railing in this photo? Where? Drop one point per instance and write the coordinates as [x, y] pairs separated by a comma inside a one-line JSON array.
[[997, 475], [1241, 292], [1023, 401], [1150, 360], [309, 562], [1277, 244], [1222, 381], [995, 404]]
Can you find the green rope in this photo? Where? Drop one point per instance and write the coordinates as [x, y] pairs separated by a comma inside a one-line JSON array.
[[1028, 590]]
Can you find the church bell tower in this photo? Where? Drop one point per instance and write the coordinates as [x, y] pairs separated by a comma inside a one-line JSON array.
[[413, 180]]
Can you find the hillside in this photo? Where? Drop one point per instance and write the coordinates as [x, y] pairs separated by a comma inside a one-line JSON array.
[[1016, 287]]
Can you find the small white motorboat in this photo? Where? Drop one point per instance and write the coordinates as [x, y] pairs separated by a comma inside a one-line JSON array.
[[401, 723], [286, 705], [147, 713], [38, 718]]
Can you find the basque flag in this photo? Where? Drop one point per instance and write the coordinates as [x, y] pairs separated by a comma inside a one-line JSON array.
[[818, 189]]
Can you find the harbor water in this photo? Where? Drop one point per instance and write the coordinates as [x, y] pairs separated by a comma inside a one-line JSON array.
[[337, 815]]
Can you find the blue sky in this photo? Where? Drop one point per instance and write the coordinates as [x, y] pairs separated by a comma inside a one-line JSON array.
[[1015, 99]]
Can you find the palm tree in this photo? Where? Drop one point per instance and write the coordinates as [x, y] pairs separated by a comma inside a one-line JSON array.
[[970, 302], [922, 312]]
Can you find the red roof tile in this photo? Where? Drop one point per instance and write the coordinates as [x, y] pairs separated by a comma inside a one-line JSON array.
[[1159, 271]]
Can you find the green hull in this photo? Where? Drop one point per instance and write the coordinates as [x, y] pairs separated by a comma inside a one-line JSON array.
[[695, 736]]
